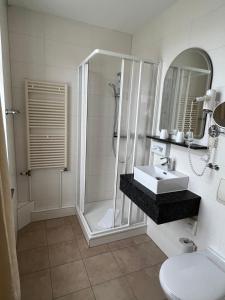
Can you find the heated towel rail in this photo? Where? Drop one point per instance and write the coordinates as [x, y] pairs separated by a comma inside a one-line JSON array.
[[46, 112]]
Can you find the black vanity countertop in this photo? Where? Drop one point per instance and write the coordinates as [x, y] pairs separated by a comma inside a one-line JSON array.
[[161, 208]]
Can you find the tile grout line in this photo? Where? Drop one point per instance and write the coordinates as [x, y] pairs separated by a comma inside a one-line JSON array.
[[130, 288], [109, 250], [78, 291], [124, 274], [88, 278], [49, 260], [84, 258]]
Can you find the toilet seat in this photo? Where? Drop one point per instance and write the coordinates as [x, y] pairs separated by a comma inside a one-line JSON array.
[[193, 276]]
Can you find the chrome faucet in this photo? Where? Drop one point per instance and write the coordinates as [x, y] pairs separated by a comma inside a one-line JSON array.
[[170, 162]]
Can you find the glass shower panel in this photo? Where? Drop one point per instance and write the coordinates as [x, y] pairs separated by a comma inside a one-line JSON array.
[[145, 122], [102, 110], [126, 138]]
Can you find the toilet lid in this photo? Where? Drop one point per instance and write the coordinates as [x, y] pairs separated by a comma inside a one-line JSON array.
[[193, 276]]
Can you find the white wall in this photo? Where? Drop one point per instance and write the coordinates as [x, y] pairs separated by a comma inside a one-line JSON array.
[[193, 23], [6, 96], [45, 47]]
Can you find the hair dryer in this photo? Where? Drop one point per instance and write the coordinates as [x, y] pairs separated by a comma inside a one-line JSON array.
[[209, 100]]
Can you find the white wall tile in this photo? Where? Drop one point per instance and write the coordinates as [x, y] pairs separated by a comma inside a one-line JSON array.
[[63, 31], [100, 165], [209, 34], [68, 189], [100, 126], [25, 48], [99, 187], [194, 23], [45, 189], [22, 70], [64, 54], [23, 21], [24, 214], [218, 58], [98, 146], [45, 47]]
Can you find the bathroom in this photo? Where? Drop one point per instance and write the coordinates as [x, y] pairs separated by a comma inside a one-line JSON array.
[[46, 43]]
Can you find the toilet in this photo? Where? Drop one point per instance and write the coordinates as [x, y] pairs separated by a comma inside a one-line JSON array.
[[194, 276]]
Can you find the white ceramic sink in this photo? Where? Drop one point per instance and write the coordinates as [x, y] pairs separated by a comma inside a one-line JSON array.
[[159, 180]]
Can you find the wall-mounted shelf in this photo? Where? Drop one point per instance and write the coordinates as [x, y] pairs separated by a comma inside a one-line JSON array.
[[161, 208], [169, 141]]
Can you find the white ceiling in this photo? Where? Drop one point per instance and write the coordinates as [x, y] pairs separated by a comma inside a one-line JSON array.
[[123, 15]]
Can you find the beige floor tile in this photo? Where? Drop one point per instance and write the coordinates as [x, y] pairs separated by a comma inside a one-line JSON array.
[[30, 240], [59, 234], [139, 239], [53, 223], [121, 244], [87, 251], [151, 254], [85, 294], [36, 286], [101, 268], [64, 252], [76, 227], [145, 284], [69, 278], [33, 260], [132, 241], [116, 289], [40, 225], [134, 258], [72, 219]]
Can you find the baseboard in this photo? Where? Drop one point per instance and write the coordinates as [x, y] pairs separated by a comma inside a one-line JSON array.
[[96, 239], [115, 236], [52, 213]]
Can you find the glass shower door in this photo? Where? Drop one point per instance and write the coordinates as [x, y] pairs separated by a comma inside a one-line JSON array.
[[102, 122]]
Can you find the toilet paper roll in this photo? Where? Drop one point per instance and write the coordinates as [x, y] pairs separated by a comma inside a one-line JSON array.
[[187, 245]]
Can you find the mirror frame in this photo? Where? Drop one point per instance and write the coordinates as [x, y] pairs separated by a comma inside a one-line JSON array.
[[222, 127], [210, 66]]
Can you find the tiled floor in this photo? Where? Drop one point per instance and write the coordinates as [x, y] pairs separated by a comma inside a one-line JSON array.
[[56, 263]]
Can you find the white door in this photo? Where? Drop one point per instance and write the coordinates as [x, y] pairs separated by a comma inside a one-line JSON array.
[[6, 103]]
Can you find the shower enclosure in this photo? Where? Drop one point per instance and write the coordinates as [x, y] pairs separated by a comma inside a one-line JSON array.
[[116, 105]]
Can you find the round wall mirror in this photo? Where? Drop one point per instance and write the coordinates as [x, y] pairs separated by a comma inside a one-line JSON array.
[[189, 76], [219, 115]]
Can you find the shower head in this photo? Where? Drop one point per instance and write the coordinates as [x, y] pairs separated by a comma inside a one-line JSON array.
[[113, 86]]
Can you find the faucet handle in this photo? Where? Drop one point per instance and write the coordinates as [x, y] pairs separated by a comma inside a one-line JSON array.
[[170, 162], [166, 162]]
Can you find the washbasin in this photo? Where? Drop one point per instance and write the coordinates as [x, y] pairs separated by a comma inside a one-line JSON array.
[[159, 180]]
